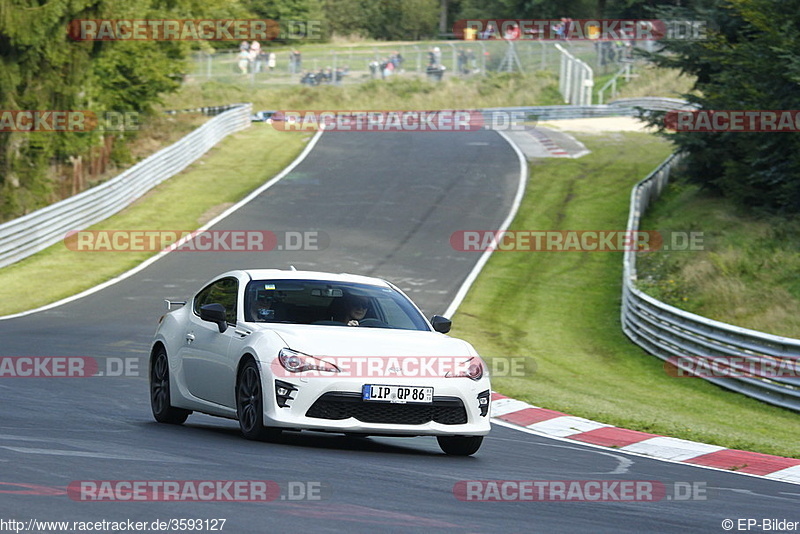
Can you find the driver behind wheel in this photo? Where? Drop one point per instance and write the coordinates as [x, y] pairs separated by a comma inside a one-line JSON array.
[[261, 307], [350, 309]]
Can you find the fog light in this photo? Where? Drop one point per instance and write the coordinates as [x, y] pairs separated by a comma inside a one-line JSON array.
[[283, 393], [483, 402]]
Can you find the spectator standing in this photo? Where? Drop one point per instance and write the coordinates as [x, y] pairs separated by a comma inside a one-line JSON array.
[[255, 52], [244, 60], [297, 61], [461, 62]]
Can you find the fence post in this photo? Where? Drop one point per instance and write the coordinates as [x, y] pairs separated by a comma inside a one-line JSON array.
[[544, 55]]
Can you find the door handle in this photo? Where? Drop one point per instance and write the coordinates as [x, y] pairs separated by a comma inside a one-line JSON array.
[[242, 333]]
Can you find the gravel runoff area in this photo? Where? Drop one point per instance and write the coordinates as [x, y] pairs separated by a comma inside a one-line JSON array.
[[598, 125]]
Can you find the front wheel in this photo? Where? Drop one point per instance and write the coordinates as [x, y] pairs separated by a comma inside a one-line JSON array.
[[163, 411], [250, 404], [460, 445]]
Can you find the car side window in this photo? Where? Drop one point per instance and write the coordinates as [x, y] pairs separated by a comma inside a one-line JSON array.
[[223, 292]]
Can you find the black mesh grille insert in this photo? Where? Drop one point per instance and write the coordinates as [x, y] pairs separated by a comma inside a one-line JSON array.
[[343, 405]]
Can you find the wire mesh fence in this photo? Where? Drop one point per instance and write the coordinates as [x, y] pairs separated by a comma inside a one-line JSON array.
[[434, 60]]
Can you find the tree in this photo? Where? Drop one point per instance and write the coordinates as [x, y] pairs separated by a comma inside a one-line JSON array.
[[41, 68], [749, 61]]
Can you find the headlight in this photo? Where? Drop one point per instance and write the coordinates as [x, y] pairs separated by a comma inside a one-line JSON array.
[[471, 368], [297, 362]]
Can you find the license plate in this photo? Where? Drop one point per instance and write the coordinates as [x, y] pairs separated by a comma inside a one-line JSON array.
[[397, 394]]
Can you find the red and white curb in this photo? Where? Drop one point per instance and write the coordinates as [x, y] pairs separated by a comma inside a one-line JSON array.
[[561, 425], [551, 146]]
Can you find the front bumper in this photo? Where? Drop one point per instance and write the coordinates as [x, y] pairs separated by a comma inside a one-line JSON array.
[[460, 407]]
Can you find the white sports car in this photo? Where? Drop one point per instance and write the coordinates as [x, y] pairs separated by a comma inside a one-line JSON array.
[[293, 350]]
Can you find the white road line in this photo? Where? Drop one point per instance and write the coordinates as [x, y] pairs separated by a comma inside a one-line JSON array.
[[476, 270], [150, 261], [512, 426]]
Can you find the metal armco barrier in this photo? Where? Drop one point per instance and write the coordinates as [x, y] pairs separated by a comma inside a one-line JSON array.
[[618, 108], [36, 231], [753, 363], [713, 349]]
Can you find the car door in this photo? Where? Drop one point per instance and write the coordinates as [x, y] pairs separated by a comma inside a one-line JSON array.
[[208, 363]]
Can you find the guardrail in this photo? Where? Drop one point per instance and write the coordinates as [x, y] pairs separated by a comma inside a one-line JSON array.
[[718, 352], [688, 340], [654, 103], [618, 108], [730, 356], [38, 230]]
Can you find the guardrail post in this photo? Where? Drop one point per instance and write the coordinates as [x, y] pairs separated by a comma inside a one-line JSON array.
[[723, 354]]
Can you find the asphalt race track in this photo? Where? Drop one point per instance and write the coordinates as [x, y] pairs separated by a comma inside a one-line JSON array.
[[386, 205]]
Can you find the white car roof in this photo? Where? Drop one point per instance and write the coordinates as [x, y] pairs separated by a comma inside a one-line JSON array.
[[267, 274]]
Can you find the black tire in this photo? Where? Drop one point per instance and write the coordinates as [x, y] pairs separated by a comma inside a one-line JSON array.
[[460, 445], [250, 404], [163, 411]]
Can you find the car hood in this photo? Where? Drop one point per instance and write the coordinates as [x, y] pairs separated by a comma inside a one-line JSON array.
[[354, 341]]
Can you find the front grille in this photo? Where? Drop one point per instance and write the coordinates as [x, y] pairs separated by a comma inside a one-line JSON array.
[[343, 405]]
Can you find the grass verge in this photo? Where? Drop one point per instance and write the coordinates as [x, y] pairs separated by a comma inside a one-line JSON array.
[[561, 310], [226, 174], [495, 90], [746, 272]]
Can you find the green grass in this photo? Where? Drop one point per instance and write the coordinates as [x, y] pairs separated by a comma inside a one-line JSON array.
[[558, 309], [654, 81], [232, 169], [495, 90], [223, 176], [746, 272], [561, 310]]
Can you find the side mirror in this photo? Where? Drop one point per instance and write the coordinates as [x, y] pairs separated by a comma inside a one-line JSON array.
[[441, 324], [214, 313]]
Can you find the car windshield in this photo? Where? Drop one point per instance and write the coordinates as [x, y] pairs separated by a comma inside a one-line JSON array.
[[325, 303]]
